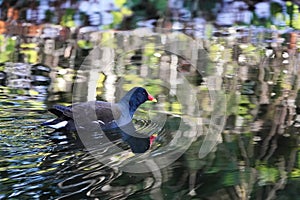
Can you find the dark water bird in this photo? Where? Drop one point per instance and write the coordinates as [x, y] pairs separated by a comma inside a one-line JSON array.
[[108, 116]]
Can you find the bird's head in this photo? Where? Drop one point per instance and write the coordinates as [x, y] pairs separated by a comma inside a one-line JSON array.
[[140, 95], [137, 96]]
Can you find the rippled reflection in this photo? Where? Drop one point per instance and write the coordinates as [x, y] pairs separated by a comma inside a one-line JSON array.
[[255, 156]]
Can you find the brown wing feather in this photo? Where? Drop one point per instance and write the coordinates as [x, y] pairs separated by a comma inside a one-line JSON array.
[[104, 111], [90, 111], [107, 112]]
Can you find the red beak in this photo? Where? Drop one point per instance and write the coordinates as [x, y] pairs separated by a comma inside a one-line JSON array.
[[152, 138], [151, 98]]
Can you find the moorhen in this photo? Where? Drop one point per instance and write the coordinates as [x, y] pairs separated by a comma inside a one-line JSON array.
[[110, 116]]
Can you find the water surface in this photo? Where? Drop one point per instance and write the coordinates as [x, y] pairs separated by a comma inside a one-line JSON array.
[[227, 121]]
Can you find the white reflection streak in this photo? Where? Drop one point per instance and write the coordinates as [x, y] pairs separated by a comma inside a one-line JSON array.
[[110, 82], [92, 84], [173, 74]]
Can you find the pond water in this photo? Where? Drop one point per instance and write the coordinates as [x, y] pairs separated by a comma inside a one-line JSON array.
[[227, 119]]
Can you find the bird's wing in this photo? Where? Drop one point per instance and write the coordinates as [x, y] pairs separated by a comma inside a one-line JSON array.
[[107, 112], [91, 110]]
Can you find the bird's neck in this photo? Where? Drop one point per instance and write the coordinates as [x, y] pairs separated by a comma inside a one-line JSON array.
[[131, 107]]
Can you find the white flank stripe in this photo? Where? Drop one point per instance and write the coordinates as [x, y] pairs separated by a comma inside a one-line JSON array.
[[59, 125], [99, 121], [50, 120]]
